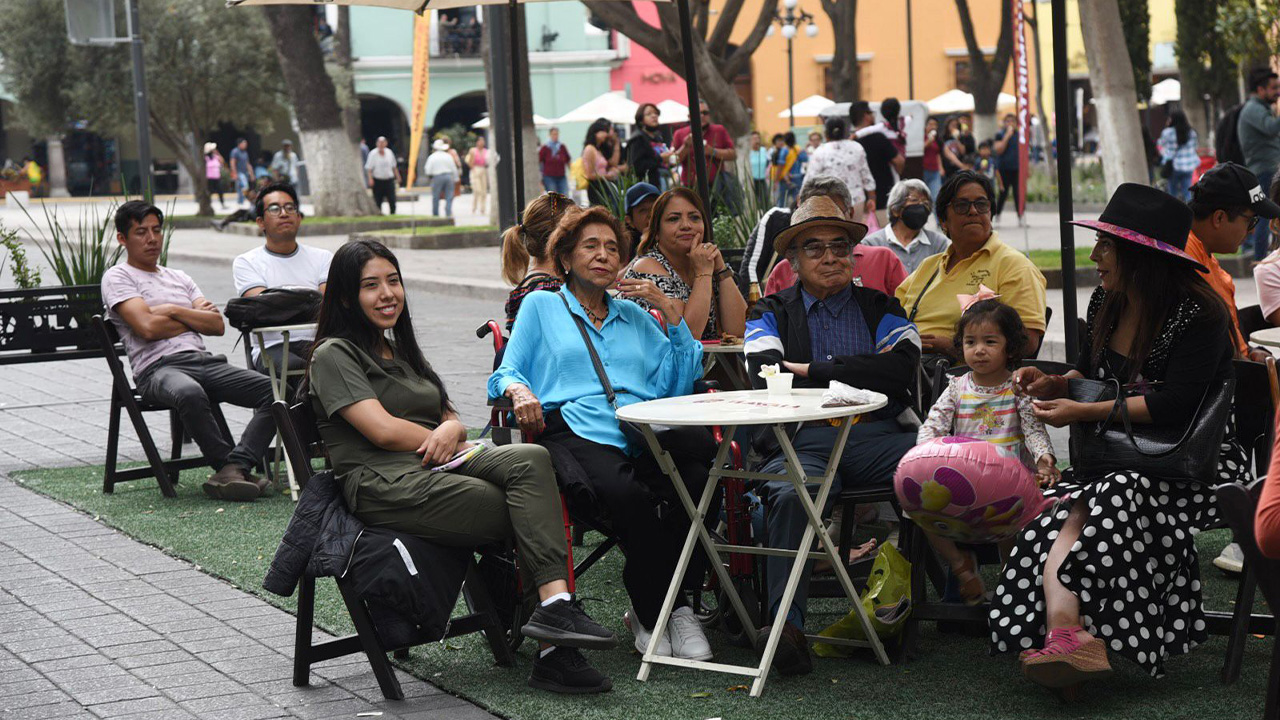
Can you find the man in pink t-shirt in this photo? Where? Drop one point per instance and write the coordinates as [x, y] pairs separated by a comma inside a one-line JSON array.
[[161, 315], [873, 267], [715, 141]]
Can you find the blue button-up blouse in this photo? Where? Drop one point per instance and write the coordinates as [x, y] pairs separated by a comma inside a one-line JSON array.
[[546, 353]]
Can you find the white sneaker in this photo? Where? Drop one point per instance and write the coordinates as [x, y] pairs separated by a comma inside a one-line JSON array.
[[688, 641], [1230, 560], [642, 636]]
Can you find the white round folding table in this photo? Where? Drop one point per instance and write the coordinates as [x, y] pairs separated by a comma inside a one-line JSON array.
[[728, 356], [731, 410], [1267, 336]]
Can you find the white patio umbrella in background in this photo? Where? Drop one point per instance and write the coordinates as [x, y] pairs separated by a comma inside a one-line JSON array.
[[955, 101], [1166, 91], [613, 106], [538, 121], [671, 112], [811, 106], [517, 137]]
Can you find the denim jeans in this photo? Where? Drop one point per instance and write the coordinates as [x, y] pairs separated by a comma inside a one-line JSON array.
[[933, 178], [190, 382], [242, 184], [1180, 185], [871, 455], [1260, 239], [442, 189], [556, 184]]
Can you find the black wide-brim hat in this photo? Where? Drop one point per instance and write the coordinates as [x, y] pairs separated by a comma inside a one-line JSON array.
[[1148, 217]]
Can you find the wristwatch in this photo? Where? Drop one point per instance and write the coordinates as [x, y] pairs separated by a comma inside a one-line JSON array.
[[722, 273]]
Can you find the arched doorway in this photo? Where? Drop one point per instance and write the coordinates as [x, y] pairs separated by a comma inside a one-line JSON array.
[[383, 116], [465, 110]]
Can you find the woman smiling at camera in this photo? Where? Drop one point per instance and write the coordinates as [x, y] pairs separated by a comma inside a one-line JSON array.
[[550, 377], [387, 422]]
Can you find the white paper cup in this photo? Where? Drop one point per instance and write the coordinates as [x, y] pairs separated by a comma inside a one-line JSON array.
[[779, 384]]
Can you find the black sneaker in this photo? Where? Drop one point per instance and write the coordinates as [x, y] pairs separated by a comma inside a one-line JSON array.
[[563, 623], [565, 670]]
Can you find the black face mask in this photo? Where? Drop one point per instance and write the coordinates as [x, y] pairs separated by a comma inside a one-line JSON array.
[[915, 216]]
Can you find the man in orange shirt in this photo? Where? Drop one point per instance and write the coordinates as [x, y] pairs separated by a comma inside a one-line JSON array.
[[1227, 203]]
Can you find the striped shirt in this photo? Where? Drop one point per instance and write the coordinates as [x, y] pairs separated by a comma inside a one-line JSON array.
[[994, 414], [1184, 157]]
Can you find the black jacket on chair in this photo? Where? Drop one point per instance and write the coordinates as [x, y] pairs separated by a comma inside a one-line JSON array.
[[319, 538]]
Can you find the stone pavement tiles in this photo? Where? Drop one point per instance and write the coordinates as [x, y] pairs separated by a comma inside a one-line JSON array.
[[97, 625]]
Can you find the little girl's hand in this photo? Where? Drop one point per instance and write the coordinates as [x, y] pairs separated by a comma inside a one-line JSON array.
[[1047, 473]]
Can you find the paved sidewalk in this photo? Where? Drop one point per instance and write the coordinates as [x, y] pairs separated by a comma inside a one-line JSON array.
[[98, 625]]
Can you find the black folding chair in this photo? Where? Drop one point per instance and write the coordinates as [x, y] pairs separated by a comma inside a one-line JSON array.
[[1239, 505], [125, 398], [298, 430]]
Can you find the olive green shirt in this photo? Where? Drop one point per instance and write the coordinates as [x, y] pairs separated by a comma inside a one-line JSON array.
[[342, 375]]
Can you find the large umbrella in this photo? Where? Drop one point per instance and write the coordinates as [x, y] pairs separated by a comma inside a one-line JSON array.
[[613, 106], [954, 101], [671, 112], [1166, 91], [811, 106], [538, 121], [517, 137]]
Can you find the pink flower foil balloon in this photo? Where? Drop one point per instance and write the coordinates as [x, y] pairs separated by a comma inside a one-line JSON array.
[[967, 490]]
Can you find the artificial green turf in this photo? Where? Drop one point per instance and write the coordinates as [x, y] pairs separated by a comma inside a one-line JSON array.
[[954, 678], [439, 230]]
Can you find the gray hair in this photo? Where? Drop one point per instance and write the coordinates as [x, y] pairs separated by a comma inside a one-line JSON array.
[[902, 190], [826, 186]]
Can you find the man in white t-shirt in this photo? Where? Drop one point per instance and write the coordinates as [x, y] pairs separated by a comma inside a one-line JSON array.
[[161, 315], [281, 263], [383, 174]]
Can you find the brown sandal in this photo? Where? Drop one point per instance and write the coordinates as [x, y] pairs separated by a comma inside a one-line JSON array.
[[970, 582], [1065, 661]]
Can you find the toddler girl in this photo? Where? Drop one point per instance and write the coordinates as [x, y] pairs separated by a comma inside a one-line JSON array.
[[981, 404]]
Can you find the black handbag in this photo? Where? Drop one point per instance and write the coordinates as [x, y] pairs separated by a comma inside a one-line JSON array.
[[685, 440], [1187, 454], [1166, 169]]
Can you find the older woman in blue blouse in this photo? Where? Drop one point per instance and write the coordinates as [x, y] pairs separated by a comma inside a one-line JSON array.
[[548, 374]]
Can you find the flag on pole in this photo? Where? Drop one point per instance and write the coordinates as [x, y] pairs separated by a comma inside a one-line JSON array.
[[1022, 88], [418, 104]]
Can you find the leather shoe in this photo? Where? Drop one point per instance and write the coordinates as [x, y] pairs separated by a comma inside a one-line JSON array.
[[792, 656], [231, 483]]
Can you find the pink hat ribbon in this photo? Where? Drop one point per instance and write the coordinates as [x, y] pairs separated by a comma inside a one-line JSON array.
[[984, 293]]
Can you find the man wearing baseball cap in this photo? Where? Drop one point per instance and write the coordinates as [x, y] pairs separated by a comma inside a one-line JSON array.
[[639, 206], [1227, 204]]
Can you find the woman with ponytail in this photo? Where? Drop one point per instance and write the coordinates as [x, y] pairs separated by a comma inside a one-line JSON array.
[[524, 251]]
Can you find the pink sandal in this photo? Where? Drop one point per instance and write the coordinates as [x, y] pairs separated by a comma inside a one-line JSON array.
[[1065, 661]]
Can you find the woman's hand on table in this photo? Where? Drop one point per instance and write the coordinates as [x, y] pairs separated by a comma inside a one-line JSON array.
[[527, 408], [1047, 472], [800, 369], [443, 443], [1058, 413], [1034, 382]]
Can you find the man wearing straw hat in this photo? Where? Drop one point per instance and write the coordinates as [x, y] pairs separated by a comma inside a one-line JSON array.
[[826, 328]]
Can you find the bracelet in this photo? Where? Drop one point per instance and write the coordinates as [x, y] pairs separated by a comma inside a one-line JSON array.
[[702, 275]]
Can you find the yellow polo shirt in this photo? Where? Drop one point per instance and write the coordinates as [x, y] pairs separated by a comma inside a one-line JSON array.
[[1008, 272]]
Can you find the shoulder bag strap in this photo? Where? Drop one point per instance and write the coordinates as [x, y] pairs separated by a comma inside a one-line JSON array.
[[916, 307], [595, 357], [1191, 425]]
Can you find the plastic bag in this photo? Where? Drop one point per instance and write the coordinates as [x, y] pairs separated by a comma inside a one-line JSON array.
[[887, 602]]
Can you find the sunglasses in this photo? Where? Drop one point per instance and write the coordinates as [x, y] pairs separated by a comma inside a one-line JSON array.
[[814, 250], [962, 207]]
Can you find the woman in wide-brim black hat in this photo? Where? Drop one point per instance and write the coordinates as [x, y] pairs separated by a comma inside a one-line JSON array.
[[1131, 586]]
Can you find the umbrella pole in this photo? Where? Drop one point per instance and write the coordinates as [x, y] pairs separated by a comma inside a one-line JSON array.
[[695, 120], [1062, 106], [517, 139]]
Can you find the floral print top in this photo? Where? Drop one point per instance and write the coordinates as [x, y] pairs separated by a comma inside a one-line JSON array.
[[847, 160], [994, 414]]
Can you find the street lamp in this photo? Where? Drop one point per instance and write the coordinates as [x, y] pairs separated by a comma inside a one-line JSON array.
[[790, 21]]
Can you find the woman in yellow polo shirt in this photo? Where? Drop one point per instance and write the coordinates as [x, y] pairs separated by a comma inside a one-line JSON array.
[[976, 257]]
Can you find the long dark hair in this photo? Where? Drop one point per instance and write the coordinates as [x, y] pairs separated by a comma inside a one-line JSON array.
[[1161, 282], [836, 129], [341, 316], [1181, 126], [606, 147]]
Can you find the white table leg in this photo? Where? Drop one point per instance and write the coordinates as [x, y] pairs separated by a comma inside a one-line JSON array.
[[812, 508], [697, 531], [279, 391]]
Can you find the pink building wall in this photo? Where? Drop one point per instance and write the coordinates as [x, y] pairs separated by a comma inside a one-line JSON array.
[[650, 80]]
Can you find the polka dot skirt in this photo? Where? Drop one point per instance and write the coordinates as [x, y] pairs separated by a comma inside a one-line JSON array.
[[1134, 568]]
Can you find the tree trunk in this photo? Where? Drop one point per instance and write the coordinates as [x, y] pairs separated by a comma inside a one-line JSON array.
[[1111, 75], [342, 54], [57, 167], [987, 78], [532, 178], [844, 63], [338, 185], [1050, 162]]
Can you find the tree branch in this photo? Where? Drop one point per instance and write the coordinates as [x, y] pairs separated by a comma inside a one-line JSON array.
[[701, 17], [736, 63], [718, 42], [623, 17]]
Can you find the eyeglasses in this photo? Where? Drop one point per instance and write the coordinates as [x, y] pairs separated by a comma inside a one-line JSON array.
[[705, 112], [1253, 221], [962, 207], [276, 209], [815, 250]]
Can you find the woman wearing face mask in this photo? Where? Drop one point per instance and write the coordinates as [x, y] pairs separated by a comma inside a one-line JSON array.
[[910, 204]]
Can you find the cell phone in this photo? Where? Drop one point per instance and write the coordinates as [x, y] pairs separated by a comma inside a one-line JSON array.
[[459, 458]]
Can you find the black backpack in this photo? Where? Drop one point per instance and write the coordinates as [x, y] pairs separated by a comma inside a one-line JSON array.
[[1227, 143], [273, 307]]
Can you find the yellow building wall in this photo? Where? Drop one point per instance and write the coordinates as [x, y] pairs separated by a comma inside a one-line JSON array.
[[938, 44]]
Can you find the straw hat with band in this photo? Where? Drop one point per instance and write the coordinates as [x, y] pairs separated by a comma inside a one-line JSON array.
[[1147, 217], [818, 211]]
